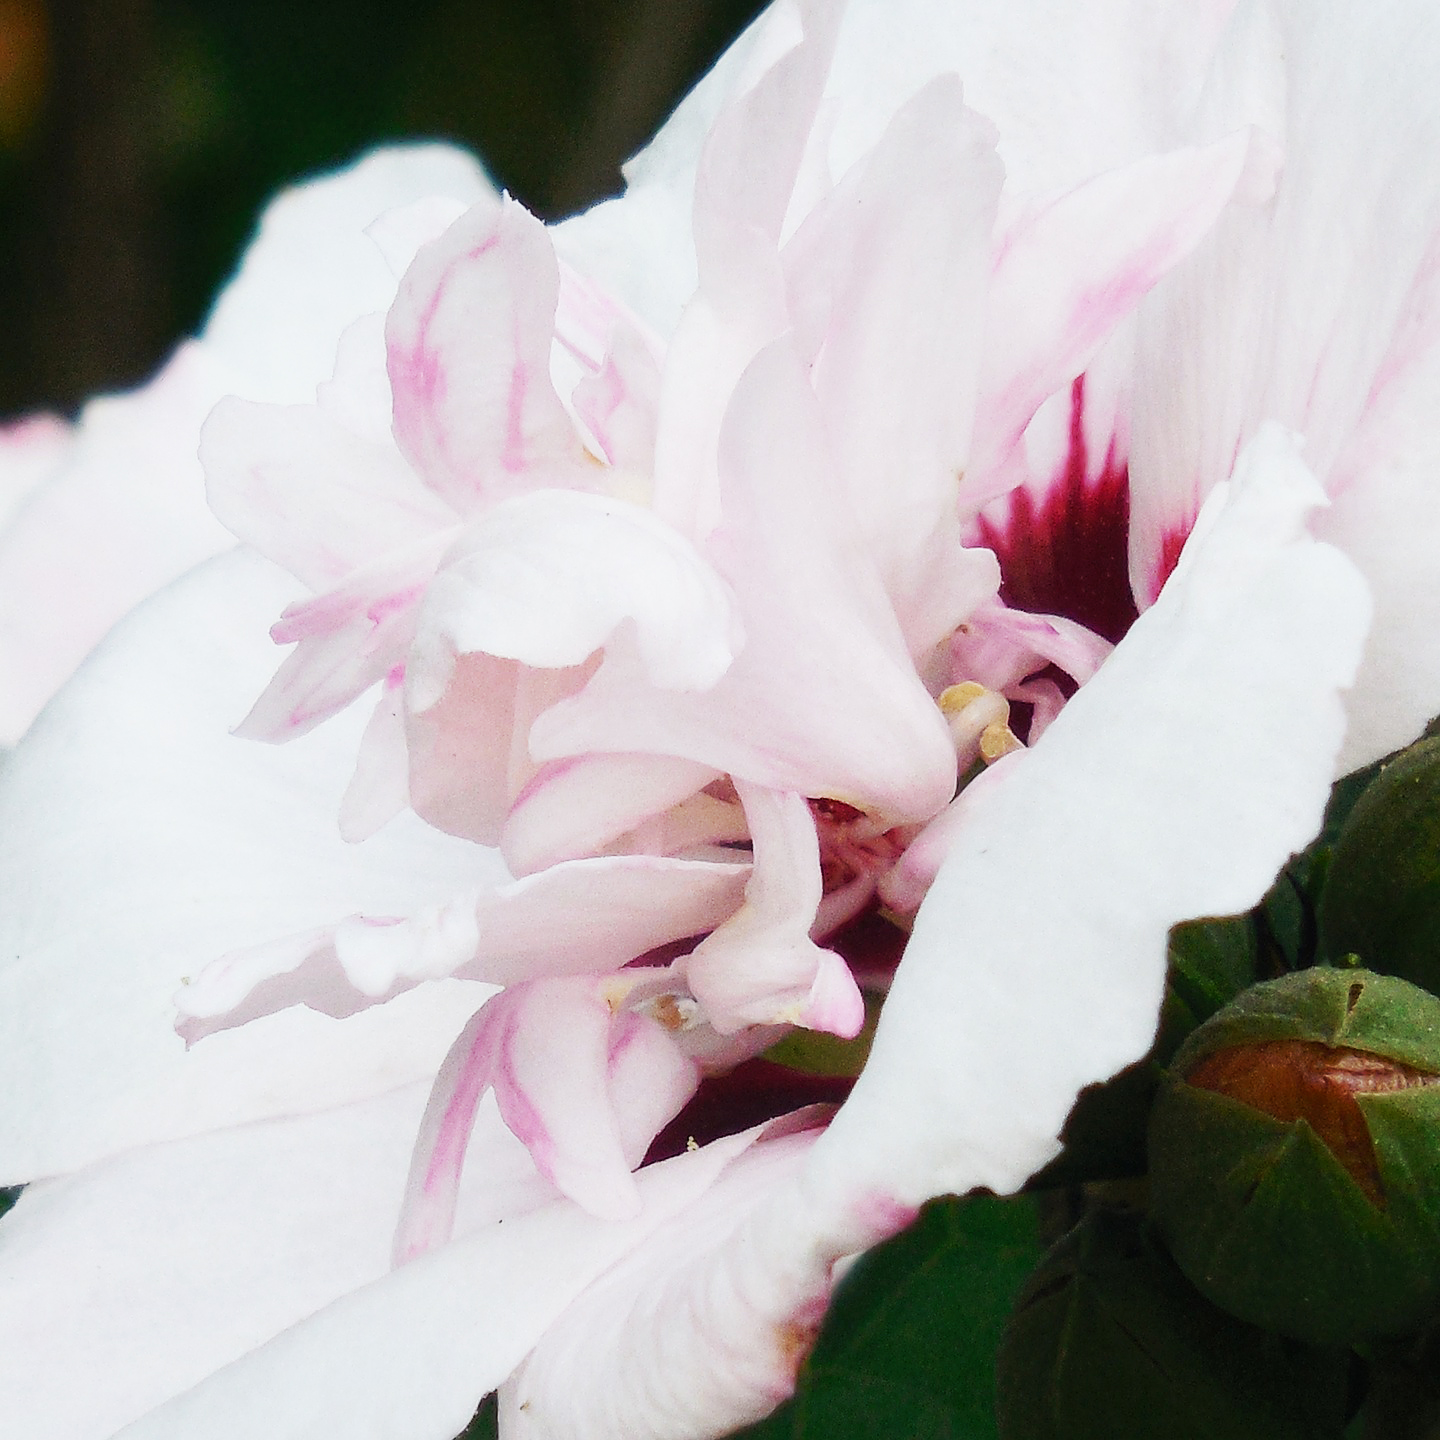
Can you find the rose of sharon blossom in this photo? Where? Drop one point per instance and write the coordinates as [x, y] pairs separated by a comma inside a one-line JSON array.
[[671, 565]]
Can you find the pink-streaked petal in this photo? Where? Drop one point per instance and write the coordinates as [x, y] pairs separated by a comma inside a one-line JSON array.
[[1119, 233], [785, 715], [761, 967], [310, 494], [1336, 337], [547, 578], [469, 355], [619, 403], [577, 807], [549, 1050], [650, 1078], [132, 793], [311, 268], [346, 640], [903, 249], [1173, 785], [412, 1354]]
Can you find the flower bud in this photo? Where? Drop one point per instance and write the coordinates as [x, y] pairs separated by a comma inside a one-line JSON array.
[[1210, 962], [1295, 1156], [1108, 1339], [1382, 889]]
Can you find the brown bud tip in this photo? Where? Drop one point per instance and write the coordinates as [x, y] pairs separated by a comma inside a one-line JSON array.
[[1304, 1080]]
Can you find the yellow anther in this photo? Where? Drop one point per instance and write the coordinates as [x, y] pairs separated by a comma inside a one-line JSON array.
[[998, 740], [954, 699]]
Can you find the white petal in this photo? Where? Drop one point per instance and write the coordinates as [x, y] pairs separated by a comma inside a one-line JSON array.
[[1173, 785], [160, 1266], [412, 1354]]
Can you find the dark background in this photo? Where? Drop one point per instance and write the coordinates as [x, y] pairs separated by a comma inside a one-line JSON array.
[[139, 139]]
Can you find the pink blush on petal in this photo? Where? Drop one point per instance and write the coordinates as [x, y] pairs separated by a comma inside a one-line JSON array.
[[512, 455]]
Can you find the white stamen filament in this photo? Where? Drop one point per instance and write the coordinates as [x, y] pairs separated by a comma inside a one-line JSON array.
[[979, 721]]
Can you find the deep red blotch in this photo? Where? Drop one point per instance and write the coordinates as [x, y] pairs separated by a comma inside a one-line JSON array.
[[1068, 554]]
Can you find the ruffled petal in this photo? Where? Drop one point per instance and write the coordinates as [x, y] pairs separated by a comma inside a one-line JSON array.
[[310, 494], [744, 183], [785, 715], [547, 578], [139, 841], [549, 1050], [346, 640]]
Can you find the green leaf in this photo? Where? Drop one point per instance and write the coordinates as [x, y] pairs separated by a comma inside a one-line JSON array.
[[907, 1350], [486, 1424], [1109, 1342]]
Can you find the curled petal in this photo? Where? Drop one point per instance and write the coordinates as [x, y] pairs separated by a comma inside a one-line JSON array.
[[577, 807], [345, 641], [999, 647], [761, 967], [568, 919], [785, 715]]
